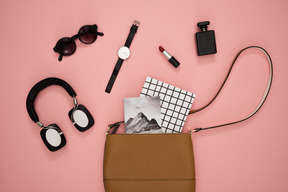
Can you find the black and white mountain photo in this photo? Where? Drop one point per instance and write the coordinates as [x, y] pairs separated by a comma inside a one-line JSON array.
[[142, 115]]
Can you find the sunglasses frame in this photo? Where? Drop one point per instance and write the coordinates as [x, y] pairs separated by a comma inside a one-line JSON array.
[[74, 37]]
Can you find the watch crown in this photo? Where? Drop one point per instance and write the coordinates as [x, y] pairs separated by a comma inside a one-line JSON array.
[[137, 23]]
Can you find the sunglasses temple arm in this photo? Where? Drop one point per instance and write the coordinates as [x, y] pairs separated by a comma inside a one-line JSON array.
[[100, 34], [60, 57]]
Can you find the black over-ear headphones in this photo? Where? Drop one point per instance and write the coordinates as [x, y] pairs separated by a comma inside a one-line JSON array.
[[52, 135]]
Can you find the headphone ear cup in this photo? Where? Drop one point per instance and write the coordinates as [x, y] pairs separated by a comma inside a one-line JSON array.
[[81, 118], [53, 137]]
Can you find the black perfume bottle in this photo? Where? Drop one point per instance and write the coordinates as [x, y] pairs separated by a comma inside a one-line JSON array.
[[205, 39]]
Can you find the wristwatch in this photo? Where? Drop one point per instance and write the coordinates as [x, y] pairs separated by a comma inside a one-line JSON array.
[[123, 53]]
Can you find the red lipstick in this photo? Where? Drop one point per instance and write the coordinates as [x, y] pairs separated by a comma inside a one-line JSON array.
[[170, 58]]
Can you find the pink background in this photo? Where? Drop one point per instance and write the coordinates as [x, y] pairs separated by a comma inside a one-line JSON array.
[[251, 156]]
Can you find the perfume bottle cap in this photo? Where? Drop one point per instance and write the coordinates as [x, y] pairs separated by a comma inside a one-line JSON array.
[[203, 25]]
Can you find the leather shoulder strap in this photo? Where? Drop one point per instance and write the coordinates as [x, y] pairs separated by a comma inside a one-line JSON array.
[[265, 94]]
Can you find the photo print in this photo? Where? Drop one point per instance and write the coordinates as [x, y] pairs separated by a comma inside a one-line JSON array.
[[142, 115]]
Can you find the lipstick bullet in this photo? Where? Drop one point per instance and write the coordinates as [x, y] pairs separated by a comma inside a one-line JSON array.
[[170, 58]]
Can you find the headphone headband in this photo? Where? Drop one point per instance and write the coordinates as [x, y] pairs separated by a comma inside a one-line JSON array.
[[35, 90]]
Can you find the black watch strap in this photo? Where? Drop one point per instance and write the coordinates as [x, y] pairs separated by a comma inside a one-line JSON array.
[[118, 65], [114, 75], [133, 30]]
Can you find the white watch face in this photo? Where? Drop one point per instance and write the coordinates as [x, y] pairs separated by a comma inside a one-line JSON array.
[[124, 52]]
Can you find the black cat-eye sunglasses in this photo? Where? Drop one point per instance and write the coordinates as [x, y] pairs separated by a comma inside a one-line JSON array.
[[67, 46]]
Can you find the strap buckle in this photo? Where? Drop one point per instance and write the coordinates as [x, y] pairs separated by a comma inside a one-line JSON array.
[[108, 130], [137, 23], [195, 130], [113, 126]]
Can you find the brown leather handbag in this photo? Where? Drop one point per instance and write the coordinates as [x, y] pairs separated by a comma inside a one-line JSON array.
[[158, 162]]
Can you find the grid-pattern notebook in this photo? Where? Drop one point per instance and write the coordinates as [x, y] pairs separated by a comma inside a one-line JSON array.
[[175, 103]]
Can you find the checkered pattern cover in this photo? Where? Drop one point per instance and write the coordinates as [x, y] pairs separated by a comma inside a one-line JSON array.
[[175, 103]]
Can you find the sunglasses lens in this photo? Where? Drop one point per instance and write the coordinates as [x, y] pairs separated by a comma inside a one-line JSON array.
[[66, 46], [87, 34]]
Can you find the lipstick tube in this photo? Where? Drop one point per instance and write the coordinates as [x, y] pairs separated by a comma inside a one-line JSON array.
[[170, 58]]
